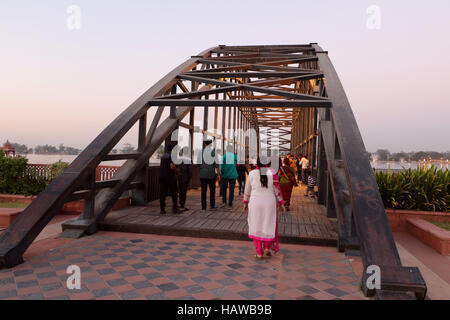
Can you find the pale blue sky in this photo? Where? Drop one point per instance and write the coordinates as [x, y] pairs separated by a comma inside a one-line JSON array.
[[61, 86]]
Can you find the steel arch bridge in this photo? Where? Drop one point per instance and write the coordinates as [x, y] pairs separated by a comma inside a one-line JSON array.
[[291, 89]]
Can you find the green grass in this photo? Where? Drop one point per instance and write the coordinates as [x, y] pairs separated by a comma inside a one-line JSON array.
[[12, 205], [443, 225]]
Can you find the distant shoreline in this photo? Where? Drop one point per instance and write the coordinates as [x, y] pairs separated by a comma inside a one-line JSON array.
[[49, 159]]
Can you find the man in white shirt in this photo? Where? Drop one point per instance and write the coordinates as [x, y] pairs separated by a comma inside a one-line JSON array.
[[304, 164]]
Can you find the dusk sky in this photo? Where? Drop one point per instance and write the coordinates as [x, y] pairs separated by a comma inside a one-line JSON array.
[[65, 86]]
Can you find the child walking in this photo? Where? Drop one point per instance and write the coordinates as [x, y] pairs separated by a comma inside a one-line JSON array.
[[311, 184]]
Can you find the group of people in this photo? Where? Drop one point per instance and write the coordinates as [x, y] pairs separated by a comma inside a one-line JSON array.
[[295, 171], [265, 191], [175, 178], [226, 172], [299, 166]]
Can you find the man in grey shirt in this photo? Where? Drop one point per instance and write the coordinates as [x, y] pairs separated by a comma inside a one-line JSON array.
[[209, 172]]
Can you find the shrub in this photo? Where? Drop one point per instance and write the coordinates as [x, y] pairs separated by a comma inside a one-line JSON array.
[[11, 174], [57, 168], [17, 178], [421, 189]]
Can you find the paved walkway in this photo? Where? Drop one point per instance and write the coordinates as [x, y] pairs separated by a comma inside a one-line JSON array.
[[433, 266], [306, 223], [136, 266]]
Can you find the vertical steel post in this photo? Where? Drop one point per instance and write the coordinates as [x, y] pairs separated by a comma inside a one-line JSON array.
[[173, 113], [89, 204], [139, 196]]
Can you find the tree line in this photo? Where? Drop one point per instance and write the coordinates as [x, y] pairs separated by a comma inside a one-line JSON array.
[[62, 149], [45, 149]]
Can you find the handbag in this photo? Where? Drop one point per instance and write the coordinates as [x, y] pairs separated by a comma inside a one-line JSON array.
[[284, 178]]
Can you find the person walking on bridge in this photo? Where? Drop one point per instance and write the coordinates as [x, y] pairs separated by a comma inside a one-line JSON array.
[[262, 199], [242, 172], [287, 181], [209, 172], [228, 175], [299, 168], [304, 164], [185, 169], [167, 180]]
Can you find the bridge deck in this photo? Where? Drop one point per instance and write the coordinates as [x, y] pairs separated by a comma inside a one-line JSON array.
[[306, 223]]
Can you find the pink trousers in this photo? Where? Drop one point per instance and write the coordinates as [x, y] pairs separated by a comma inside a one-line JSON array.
[[261, 245]]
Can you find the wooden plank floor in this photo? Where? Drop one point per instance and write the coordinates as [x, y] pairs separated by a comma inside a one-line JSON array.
[[306, 222]]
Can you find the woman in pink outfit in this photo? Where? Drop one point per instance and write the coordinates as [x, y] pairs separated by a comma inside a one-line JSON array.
[[262, 199], [275, 247]]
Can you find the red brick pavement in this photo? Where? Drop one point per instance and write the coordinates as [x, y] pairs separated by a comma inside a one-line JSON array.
[[132, 266]]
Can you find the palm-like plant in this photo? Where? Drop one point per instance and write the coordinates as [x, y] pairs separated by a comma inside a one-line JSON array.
[[421, 189]]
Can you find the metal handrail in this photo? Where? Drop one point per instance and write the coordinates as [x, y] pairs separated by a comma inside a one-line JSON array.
[[356, 196]]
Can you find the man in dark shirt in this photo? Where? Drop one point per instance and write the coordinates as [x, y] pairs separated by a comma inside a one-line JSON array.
[[185, 169], [242, 171], [209, 172], [168, 181], [299, 168]]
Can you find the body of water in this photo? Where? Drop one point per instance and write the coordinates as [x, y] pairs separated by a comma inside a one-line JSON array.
[[49, 159], [394, 165], [385, 165]]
